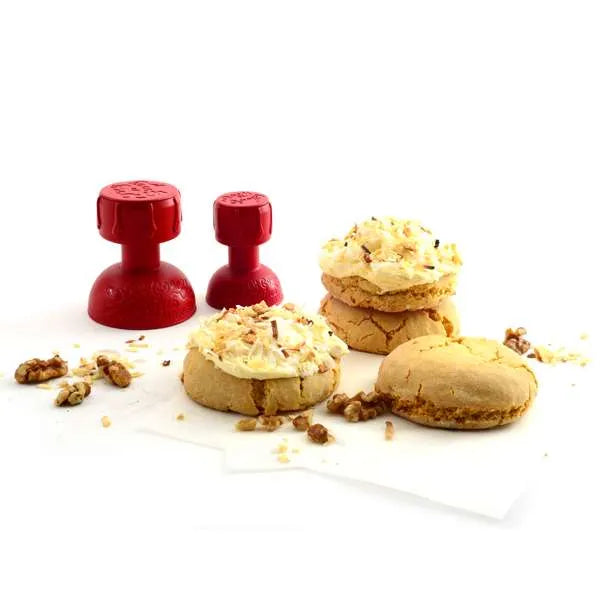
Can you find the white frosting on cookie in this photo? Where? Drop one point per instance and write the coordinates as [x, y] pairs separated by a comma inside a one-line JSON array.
[[263, 342], [393, 254]]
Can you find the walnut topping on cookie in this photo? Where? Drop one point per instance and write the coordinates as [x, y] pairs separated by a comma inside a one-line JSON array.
[[37, 370], [268, 342], [393, 254]]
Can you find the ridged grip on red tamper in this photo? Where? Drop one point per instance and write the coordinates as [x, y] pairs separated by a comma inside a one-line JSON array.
[[141, 292], [243, 221]]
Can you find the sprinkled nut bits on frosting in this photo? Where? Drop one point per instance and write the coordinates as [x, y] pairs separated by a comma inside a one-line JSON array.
[[393, 254], [262, 342]]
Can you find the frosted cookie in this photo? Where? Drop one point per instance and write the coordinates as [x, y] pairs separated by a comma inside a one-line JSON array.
[[379, 332], [390, 265], [462, 383], [262, 360]]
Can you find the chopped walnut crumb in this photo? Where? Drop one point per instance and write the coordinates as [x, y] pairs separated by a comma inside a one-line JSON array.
[[166, 363], [246, 425], [389, 430], [302, 422], [513, 339], [289, 306], [270, 423], [114, 371], [318, 433], [545, 355], [361, 407], [180, 417], [274, 328], [106, 422], [36, 370], [73, 394], [283, 458], [44, 386]]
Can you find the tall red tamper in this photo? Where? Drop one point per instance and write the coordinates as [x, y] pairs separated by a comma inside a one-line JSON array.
[[140, 292], [243, 221]]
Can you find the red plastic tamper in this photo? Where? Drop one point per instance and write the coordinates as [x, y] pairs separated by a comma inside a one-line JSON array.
[[140, 292], [243, 221]]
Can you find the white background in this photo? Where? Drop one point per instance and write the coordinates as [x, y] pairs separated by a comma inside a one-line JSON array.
[[480, 118]]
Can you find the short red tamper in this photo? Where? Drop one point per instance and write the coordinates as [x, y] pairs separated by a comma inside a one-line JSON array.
[[140, 292], [243, 221]]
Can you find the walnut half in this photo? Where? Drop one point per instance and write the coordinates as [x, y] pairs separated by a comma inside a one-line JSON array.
[[73, 394], [114, 371], [36, 370], [513, 339]]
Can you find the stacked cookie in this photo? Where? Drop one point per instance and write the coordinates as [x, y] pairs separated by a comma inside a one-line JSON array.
[[389, 281]]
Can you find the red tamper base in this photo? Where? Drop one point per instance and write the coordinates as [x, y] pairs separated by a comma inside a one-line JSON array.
[[243, 221], [140, 292]]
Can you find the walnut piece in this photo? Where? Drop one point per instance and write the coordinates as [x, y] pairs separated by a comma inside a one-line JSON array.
[[513, 339], [37, 370], [270, 423], [318, 433], [114, 371], [73, 394], [246, 425], [106, 422], [361, 407], [302, 422]]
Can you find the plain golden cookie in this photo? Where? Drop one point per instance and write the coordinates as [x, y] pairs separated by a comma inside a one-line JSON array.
[[379, 332], [211, 387], [356, 291], [462, 383]]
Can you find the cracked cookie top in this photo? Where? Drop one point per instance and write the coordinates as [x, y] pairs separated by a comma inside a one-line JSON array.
[[268, 342], [393, 254]]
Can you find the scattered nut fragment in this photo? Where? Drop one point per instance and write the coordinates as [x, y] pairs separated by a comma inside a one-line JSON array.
[[318, 433], [513, 339], [180, 417], [270, 423], [114, 371], [552, 357], [73, 394], [303, 421], [166, 363], [106, 422], [584, 336], [361, 407], [389, 430], [283, 458], [36, 370], [246, 425]]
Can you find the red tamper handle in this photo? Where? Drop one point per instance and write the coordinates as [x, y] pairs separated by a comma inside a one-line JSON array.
[[141, 292], [243, 221]]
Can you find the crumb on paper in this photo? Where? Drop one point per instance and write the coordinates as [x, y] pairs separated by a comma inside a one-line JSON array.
[[545, 355], [515, 340], [135, 374], [584, 336], [303, 421], [180, 417], [44, 386], [36, 370], [73, 394], [166, 363], [281, 449], [270, 423], [131, 348], [318, 434], [283, 458], [389, 431], [142, 337], [246, 424], [106, 422]]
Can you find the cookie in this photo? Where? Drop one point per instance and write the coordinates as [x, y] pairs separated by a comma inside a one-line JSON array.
[[207, 385], [391, 265], [462, 383], [380, 332], [262, 359], [356, 291]]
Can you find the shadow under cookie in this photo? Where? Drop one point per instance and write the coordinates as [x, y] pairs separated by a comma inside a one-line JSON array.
[[380, 332], [210, 386]]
